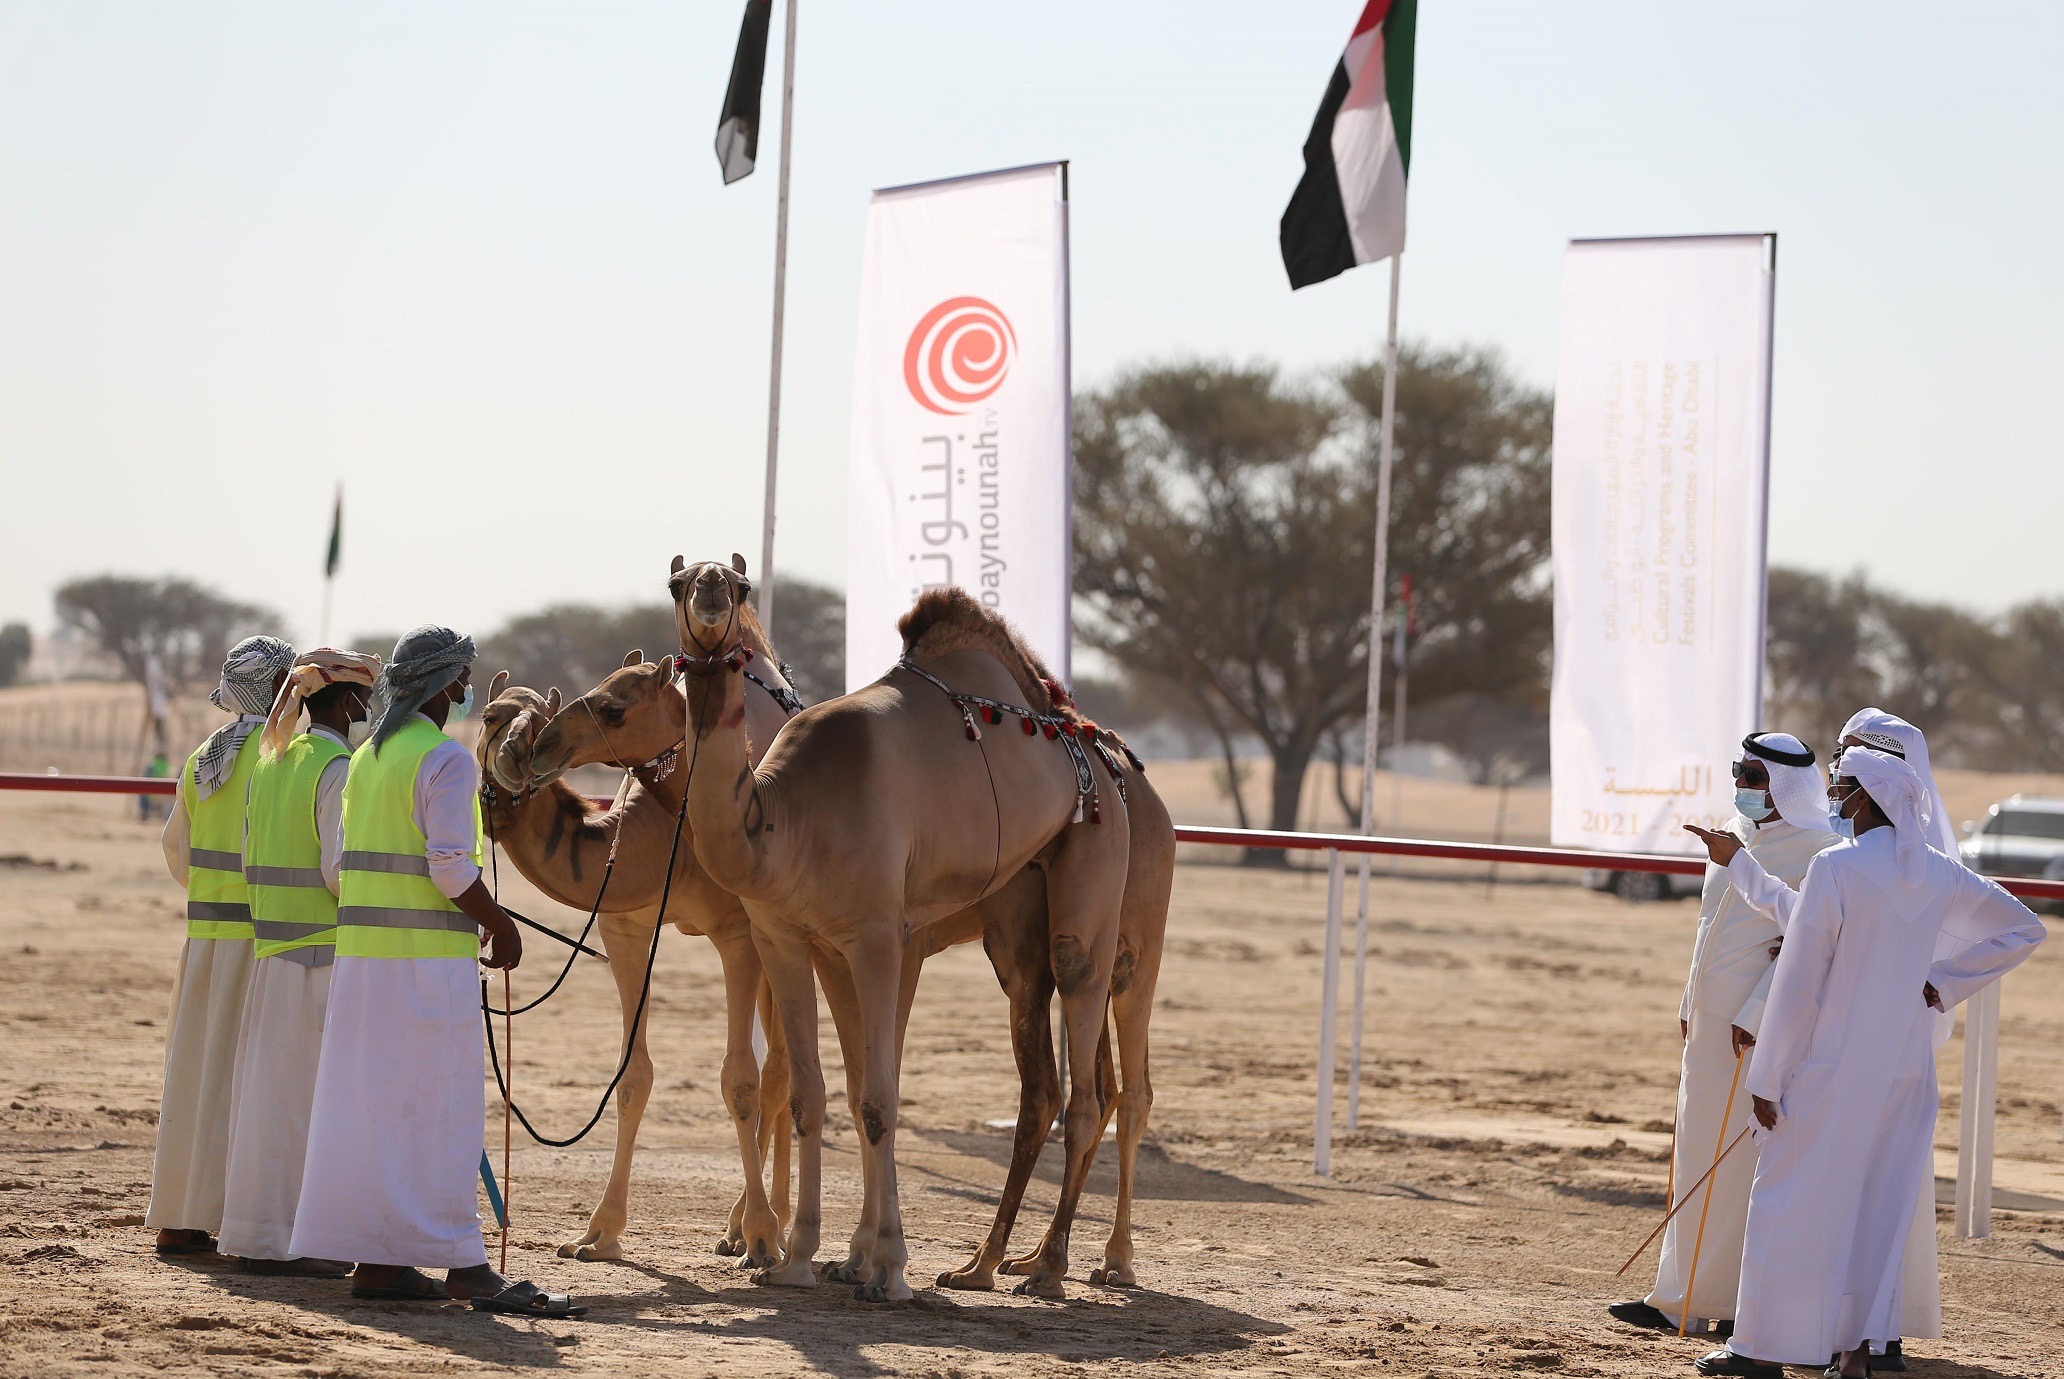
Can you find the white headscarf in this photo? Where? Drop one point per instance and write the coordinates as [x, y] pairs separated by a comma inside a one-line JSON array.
[[1795, 786], [1901, 796], [1895, 735]]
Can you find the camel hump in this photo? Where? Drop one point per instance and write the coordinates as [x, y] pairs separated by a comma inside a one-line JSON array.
[[951, 619]]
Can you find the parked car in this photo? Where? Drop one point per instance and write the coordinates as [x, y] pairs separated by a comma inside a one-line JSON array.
[[1643, 885], [2022, 835]]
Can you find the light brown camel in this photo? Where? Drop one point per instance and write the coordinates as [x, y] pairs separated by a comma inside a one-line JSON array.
[[561, 842], [869, 822], [641, 705]]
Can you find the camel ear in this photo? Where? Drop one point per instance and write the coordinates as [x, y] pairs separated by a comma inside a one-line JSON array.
[[634, 657], [678, 566], [552, 702], [738, 562], [494, 686], [666, 667]]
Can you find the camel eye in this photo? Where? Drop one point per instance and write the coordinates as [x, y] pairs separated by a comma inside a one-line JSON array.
[[612, 715]]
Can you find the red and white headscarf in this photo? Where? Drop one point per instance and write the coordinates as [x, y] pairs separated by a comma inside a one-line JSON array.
[[311, 672]]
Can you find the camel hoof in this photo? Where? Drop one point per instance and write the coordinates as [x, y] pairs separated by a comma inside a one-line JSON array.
[[846, 1272], [1114, 1276], [970, 1279], [1048, 1286], [798, 1274], [592, 1253], [730, 1245], [895, 1291], [1029, 1264]]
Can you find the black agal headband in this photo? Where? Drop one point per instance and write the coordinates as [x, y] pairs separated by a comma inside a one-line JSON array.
[[1754, 746]]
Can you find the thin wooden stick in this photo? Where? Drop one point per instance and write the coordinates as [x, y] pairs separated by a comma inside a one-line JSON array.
[[508, 1100], [1698, 1241], [1680, 1205]]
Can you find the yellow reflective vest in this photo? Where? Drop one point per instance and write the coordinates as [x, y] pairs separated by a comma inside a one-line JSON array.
[[292, 910], [217, 904], [387, 905]]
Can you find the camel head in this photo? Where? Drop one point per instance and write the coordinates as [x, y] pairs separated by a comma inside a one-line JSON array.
[[633, 717], [710, 608], [509, 725]]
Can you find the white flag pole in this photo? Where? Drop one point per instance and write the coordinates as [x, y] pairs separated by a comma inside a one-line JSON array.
[[1384, 451], [764, 583]]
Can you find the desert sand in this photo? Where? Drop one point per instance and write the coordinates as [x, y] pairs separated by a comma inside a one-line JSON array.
[[1515, 1112]]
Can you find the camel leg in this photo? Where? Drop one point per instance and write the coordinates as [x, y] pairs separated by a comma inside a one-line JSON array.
[[1132, 1005], [1107, 1102], [1083, 900], [1015, 938], [877, 965], [755, 1233], [787, 961], [839, 995], [775, 1128], [628, 941]]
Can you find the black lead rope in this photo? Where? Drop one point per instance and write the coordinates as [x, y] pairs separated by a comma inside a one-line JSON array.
[[645, 991]]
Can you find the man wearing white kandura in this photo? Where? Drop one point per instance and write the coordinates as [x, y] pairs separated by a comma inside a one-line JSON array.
[[1843, 1087], [1781, 818], [1920, 1313], [204, 838], [293, 837]]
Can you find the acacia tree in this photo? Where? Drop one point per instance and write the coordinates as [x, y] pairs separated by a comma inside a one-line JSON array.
[[1225, 524], [186, 628]]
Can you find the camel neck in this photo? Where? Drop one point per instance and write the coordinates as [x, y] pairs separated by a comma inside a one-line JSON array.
[[726, 812]]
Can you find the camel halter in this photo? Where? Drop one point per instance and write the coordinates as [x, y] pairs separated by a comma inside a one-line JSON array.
[[660, 767]]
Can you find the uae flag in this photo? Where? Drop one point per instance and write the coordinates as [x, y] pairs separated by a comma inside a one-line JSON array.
[[738, 128], [1349, 209]]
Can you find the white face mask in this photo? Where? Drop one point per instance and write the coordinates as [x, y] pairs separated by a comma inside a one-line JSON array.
[[358, 734]]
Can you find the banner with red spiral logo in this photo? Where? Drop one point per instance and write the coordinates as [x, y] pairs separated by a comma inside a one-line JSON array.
[[959, 458]]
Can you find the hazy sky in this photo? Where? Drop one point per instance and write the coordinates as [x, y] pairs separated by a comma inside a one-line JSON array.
[[476, 261]]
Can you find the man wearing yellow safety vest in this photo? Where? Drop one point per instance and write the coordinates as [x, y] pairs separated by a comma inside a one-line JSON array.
[[293, 841], [204, 848], [394, 1139]]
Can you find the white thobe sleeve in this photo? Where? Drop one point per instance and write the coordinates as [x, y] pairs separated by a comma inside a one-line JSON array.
[[1750, 1017], [1797, 978], [1999, 933], [447, 786], [176, 839], [1764, 893], [329, 817]]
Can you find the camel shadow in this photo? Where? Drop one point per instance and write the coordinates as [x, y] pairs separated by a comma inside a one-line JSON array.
[[1159, 1177], [831, 1334]]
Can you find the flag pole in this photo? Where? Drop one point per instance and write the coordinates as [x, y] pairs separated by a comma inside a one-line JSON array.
[[1384, 450], [765, 582]]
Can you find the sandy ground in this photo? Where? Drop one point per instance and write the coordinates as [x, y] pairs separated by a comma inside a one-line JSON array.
[[1516, 1104]]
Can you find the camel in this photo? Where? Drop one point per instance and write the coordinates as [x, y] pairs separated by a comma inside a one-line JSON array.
[[644, 708], [561, 842], [867, 825]]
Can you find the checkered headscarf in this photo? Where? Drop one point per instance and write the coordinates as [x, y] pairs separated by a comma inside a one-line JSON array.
[[254, 665]]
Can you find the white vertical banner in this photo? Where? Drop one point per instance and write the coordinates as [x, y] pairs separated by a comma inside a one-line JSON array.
[[960, 453], [1662, 457]]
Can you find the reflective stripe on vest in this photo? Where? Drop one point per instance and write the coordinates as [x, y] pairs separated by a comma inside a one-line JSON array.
[[388, 906], [291, 907], [217, 900]]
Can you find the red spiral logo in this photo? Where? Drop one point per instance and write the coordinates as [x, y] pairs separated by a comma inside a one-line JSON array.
[[958, 354]]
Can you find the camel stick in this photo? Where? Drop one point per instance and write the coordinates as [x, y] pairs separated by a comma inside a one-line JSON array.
[[550, 932], [1681, 1204], [508, 1099], [1698, 1241]]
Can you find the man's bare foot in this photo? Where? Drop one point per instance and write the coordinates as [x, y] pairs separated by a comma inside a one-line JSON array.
[[480, 1281], [185, 1243]]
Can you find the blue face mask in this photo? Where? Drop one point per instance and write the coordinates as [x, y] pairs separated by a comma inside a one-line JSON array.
[[1838, 823], [1754, 805], [462, 708]]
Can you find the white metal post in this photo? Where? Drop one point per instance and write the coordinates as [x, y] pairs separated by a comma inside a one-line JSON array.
[[1974, 1137], [1384, 448], [764, 582], [1329, 1020]]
